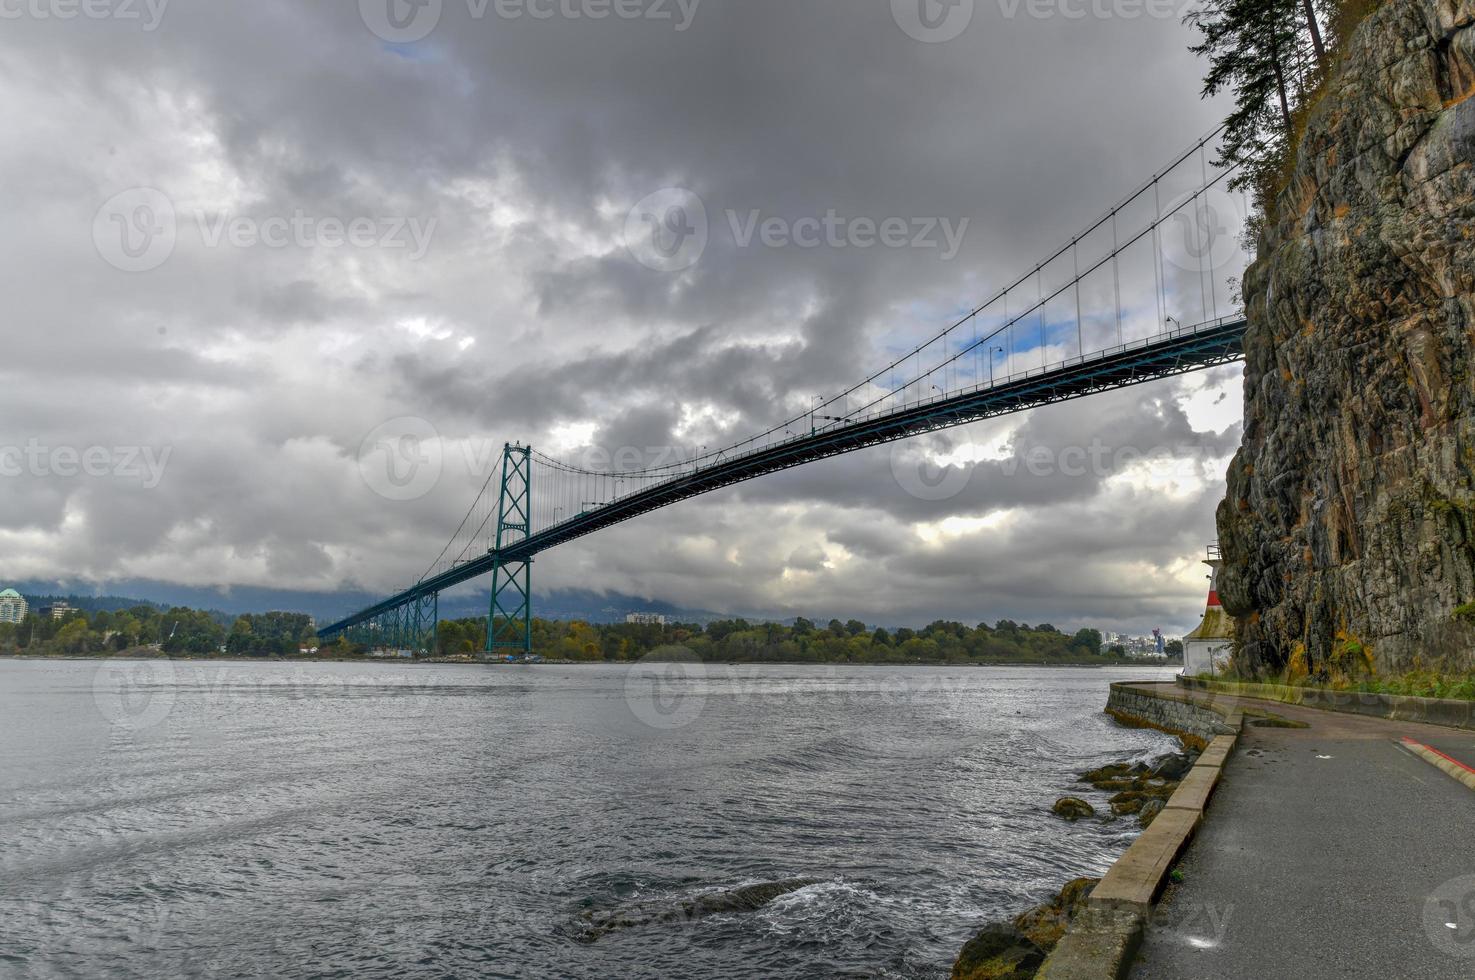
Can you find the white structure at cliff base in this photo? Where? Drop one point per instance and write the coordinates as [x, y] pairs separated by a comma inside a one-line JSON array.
[[1206, 650]]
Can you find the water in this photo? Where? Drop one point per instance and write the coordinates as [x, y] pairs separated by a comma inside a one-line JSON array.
[[396, 820]]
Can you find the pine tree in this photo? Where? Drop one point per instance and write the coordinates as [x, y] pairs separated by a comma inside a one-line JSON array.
[[1254, 49]]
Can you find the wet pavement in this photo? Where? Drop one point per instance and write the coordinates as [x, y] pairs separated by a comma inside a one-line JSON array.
[[1327, 852]]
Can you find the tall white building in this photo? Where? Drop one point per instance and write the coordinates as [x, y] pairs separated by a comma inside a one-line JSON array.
[[12, 606]]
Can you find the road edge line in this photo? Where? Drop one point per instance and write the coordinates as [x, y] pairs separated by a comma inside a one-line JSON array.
[[1451, 767]]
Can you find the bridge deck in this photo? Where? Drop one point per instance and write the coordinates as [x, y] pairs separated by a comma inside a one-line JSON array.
[[1166, 355]]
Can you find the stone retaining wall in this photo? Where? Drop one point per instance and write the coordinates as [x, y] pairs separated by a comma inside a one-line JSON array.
[[1164, 709]]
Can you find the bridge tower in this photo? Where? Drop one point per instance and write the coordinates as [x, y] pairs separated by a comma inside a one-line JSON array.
[[510, 618]]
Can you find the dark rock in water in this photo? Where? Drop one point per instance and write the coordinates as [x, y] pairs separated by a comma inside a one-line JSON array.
[[1072, 809], [1117, 771], [1149, 812], [1045, 924], [999, 952], [1128, 806], [1016, 950], [746, 899], [1173, 766]]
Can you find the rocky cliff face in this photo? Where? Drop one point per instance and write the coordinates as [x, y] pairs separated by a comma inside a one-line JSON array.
[[1348, 526]]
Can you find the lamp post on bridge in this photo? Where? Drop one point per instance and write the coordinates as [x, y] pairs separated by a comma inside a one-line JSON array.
[[991, 352]]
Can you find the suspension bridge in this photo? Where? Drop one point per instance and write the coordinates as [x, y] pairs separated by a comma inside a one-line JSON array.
[[1135, 297]]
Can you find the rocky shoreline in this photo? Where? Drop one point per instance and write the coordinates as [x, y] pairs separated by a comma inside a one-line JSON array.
[[1015, 950]]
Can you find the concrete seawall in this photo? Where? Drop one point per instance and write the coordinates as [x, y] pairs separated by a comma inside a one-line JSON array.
[[1197, 722], [1102, 940]]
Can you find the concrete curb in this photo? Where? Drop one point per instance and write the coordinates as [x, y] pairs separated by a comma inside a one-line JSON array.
[[1393, 707], [1102, 941], [1450, 767]]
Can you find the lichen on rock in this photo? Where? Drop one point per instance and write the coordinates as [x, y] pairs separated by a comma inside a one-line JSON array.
[[1347, 527], [1015, 950], [1072, 809]]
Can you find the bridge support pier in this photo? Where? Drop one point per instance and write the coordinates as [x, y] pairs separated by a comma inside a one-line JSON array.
[[510, 616]]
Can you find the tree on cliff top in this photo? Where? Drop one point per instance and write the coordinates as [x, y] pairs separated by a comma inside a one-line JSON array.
[[1271, 55]]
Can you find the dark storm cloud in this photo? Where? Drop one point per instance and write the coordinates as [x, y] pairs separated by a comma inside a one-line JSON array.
[[524, 144]]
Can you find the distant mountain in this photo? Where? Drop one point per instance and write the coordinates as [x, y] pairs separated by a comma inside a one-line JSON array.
[[326, 607]]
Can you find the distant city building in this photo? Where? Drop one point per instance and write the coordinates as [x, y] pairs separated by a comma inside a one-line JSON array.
[[645, 619], [12, 606], [57, 610], [1206, 650]]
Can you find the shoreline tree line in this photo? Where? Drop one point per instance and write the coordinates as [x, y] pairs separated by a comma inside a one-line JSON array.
[[151, 630]]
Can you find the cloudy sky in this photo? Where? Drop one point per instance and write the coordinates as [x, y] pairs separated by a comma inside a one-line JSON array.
[[241, 239]]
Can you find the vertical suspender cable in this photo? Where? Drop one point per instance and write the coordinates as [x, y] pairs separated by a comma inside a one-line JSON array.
[[1075, 256], [1208, 209], [1157, 255], [1040, 293], [1116, 272]]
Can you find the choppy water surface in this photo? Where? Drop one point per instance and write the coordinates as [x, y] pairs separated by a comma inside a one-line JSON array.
[[364, 820]]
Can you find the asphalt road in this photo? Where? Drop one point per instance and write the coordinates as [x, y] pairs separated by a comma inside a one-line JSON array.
[[1328, 852]]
